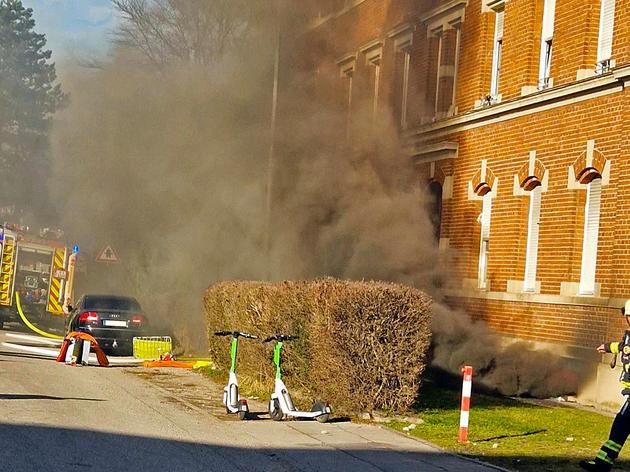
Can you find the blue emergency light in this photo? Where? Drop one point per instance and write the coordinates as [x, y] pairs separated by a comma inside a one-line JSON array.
[[75, 249]]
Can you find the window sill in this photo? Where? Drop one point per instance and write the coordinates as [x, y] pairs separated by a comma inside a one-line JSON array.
[[488, 101], [517, 286], [558, 96], [528, 297]]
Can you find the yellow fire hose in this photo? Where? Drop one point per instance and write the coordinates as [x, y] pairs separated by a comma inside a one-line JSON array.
[[29, 324]]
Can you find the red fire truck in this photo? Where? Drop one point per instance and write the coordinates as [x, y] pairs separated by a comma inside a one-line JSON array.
[[40, 268]]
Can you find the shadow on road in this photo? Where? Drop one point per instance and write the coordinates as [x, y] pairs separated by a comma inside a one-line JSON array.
[[25, 355], [19, 396], [62, 449]]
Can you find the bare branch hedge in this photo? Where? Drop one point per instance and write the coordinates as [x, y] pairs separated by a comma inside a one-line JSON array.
[[362, 345]]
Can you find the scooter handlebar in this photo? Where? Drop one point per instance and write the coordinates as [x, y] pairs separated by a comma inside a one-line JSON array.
[[247, 335], [281, 338], [236, 334]]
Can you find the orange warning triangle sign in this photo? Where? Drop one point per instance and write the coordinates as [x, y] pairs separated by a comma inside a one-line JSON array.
[[107, 254]]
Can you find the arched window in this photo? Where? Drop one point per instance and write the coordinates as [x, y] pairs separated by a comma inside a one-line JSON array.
[[590, 171], [435, 207], [591, 236], [532, 181], [483, 186], [486, 212], [533, 226]]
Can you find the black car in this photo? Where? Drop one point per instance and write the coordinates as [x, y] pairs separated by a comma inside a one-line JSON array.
[[113, 320]]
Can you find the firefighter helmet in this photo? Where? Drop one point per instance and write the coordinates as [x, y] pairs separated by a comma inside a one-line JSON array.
[[625, 310]]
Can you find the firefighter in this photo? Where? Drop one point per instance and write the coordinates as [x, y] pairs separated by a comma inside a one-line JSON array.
[[620, 429]]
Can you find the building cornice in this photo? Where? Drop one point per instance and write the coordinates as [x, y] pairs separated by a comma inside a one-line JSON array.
[[403, 28], [444, 16], [582, 90], [317, 22], [443, 9], [434, 152]]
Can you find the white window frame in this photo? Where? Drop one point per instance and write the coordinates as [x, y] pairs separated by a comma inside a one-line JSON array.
[[377, 79], [605, 39], [486, 214], [350, 78], [533, 231], [546, 44], [440, 37], [592, 210], [496, 53], [458, 40], [405, 87]]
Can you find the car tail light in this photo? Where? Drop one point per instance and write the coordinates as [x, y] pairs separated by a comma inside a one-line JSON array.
[[88, 318], [138, 320]]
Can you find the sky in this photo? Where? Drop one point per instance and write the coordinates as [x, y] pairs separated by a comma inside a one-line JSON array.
[[74, 29]]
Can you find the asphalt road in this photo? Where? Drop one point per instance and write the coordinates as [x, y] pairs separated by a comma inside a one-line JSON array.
[[55, 417]]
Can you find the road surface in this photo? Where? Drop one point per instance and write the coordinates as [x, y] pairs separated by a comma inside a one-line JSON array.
[[55, 417]]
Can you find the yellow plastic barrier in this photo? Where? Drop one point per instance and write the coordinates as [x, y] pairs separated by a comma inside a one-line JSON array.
[[152, 347]]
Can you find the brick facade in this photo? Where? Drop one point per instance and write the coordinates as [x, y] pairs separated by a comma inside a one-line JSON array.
[[525, 138]]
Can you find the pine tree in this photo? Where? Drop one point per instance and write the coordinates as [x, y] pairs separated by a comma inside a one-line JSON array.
[[28, 99]]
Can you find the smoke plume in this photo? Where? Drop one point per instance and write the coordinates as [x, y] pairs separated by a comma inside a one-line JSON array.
[[170, 166]]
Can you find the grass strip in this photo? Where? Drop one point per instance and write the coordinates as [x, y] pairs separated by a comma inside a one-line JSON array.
[[512, 434]]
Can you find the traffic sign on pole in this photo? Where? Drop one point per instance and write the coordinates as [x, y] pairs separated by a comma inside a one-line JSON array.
[[107, 254]]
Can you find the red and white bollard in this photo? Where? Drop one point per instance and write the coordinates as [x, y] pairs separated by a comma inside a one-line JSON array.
[[465, 408]]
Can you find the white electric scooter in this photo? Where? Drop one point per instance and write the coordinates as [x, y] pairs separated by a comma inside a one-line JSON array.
[[281, 405], [231, 398]]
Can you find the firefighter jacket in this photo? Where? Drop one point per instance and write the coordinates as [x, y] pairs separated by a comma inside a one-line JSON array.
[[622, 348]]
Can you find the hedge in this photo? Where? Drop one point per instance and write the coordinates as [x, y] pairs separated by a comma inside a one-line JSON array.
[[361, 346]]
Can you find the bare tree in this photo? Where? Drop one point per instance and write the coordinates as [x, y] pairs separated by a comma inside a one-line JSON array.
[[198, 31]]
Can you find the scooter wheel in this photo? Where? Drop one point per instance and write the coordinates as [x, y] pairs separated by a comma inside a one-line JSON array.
[[274, 410], [242, 414], [321, 406]]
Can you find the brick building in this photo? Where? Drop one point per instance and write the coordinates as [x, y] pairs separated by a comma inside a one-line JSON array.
[[516, 113]]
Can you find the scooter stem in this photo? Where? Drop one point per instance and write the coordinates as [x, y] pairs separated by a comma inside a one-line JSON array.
[[276, 358], [233, 349]]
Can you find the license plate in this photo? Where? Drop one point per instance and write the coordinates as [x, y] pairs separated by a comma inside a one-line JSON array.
[[115, 323]]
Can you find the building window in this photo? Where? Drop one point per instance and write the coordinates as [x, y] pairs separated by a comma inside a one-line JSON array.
[[443, 26], [483, 186], [496, 55], [346, 69], [403, 40], [531, 258], [435, 207], [405, 88], [373, 53], [546, 44], [485, 240], [606, 28], [446, 74], [591, 234]]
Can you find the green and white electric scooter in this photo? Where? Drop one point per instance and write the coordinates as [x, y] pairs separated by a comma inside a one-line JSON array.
[[281, 405], [231, 398]]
